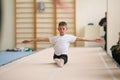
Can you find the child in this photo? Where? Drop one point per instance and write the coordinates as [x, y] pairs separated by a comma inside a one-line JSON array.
[[61, 43], [103, 23]]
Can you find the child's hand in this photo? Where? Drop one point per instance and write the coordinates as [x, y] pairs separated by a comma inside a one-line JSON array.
[[99, 40], [26, 41]]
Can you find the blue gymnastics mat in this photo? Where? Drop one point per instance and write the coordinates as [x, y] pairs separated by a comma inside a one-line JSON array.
[[7, 57]]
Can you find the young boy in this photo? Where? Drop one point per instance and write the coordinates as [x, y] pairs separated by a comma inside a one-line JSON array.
[[61, 43]]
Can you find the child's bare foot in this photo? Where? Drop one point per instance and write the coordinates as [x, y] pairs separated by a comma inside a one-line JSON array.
[[60, 62]]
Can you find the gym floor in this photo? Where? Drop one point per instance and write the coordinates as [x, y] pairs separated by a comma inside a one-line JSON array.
[[83, 64]]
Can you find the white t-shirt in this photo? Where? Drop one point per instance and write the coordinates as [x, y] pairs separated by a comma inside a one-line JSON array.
[[62, 43]]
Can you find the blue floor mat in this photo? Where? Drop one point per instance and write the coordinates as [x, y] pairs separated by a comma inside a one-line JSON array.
[[7, 57]]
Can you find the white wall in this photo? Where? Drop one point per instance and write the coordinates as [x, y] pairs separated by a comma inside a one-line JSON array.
[[113, 22], [7, 39]]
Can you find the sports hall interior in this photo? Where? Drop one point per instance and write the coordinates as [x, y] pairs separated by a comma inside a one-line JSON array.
[[29, 19]]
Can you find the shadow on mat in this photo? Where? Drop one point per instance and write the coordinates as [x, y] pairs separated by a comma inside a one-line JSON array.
[[52, 64]]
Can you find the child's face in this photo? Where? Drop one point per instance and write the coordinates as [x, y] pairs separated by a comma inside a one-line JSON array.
[[62, 30]]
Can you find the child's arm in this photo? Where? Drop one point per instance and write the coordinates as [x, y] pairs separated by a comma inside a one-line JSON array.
[[89, 40], [37, 40]]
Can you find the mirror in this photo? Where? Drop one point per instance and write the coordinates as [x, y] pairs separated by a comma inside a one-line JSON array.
[[89, 11]]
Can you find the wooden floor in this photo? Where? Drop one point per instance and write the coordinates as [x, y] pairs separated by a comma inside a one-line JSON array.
[[83, 64]]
